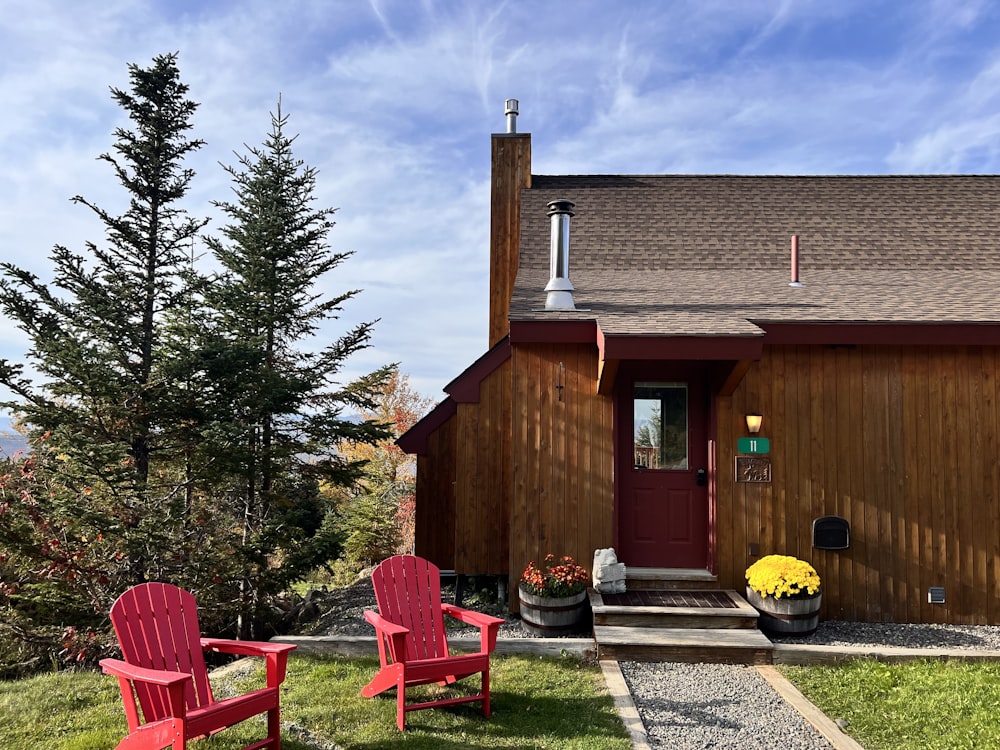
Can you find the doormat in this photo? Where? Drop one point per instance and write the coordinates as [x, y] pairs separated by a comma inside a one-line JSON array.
[[701, 599]]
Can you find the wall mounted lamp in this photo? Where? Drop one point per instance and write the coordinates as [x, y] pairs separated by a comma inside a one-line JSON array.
[[753, 423]]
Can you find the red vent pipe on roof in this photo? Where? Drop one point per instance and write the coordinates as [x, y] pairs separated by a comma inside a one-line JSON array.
[[795, 262]]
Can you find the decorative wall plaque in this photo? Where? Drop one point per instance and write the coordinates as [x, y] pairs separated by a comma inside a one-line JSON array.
[[753, 469]]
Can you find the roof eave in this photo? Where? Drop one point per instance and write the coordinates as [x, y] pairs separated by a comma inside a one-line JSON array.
[[900, 333]]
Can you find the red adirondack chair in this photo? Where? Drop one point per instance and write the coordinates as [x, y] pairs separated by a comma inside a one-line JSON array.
[[164, 669], [412, 645]]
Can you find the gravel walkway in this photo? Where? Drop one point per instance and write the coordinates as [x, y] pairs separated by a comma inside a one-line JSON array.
[[694, 706]]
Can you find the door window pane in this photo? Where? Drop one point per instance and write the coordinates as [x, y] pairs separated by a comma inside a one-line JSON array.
[[660, 426]]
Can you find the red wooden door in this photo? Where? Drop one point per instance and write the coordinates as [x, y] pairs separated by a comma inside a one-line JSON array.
[[662, 461]]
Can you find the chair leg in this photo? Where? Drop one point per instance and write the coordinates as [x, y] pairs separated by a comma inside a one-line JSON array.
[[274, 728], [385, 679], [401, 700], [486, 692]]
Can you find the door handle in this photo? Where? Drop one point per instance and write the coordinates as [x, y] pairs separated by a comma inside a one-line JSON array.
[[701, 478]]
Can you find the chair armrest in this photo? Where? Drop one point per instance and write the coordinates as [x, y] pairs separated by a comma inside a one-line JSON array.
[[173, 683], [275, 654], [162, 677], [383, 625], [245, 648], [470, 617], [388, 634], [488, 625]]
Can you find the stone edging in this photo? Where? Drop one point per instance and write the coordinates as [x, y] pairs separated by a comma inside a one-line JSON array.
[[802, 654], [627, 712], [820, 721], [362, 645]]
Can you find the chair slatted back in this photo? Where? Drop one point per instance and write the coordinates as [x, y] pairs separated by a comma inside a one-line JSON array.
[[408, 592], [157, 628]]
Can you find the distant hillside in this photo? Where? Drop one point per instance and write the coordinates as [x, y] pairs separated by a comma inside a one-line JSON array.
[[10, 442]]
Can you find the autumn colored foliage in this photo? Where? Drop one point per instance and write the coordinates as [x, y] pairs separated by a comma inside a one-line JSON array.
[[377, 513]]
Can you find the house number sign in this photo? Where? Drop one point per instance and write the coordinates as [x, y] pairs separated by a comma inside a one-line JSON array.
[[756, 445], [753, 469]]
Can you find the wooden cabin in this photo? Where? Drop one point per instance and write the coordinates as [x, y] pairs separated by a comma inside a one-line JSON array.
[[635, 322]]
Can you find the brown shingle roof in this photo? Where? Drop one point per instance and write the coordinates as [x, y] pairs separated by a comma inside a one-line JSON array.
[[706, 256]]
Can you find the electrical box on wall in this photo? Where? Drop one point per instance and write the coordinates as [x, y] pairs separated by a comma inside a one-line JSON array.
[[935, 595]]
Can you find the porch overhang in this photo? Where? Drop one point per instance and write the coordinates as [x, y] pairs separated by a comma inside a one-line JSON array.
[[636, 346], [741, 350], [616, 348]]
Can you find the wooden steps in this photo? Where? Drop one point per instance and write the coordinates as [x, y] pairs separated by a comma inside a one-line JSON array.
[[652, 579], [677, 611], [677, 615], [714, 645]]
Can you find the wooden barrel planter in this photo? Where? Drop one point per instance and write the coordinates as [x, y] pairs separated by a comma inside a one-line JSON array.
[[547, 617], [784, 616]]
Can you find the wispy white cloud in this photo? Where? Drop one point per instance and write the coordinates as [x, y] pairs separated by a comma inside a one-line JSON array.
[[968, 146], [395, 100]]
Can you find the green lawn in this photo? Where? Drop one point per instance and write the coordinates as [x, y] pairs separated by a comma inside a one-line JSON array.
[[537, 703], [923, 705]]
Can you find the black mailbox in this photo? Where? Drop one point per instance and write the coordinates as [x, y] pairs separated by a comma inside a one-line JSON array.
[[831, 532]]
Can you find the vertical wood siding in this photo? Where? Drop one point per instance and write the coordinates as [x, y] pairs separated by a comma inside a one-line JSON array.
[[463, 484], [562, 459], [482, 487], [434, 536], [901, 441]]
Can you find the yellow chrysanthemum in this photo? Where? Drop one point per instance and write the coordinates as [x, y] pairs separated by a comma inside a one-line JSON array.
[[782, 575]]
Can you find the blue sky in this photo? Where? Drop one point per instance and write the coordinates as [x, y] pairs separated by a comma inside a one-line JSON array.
[[395, 100]]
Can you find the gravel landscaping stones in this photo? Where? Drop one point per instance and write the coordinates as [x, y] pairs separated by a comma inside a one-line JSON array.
[[842, 633], [693, 706]]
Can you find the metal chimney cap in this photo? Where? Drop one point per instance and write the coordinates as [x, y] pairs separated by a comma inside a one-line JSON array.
[[510, 110], [561, 206]]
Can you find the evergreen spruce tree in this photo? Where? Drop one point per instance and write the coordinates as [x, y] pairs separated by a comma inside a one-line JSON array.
[[284, 409], [107, 470]]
